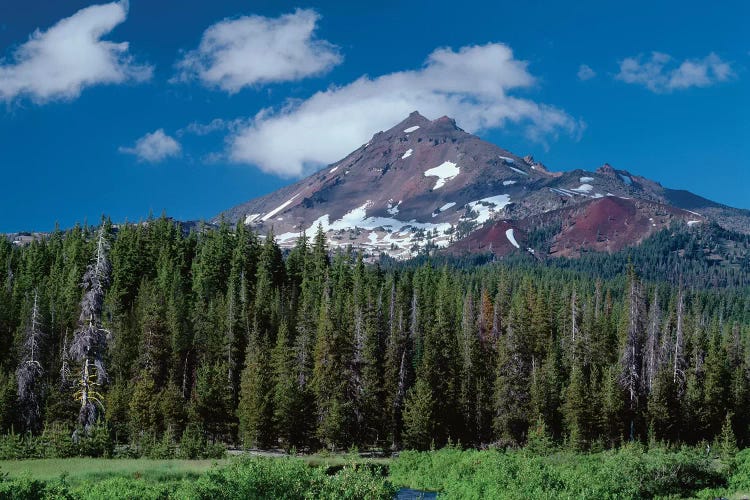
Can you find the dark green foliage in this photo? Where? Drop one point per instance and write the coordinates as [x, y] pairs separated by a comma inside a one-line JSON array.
[[631, 472], [264, 478], [219, 336]]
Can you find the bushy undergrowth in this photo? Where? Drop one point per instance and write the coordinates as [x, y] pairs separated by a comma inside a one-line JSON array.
[[256, 478], [57, 442], [630, 472]]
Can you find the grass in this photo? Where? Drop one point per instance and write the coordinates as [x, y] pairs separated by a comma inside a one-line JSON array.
[[79, 470]]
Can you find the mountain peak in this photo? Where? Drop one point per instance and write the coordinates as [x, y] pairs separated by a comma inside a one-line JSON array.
[[427, 184], [607, 169], [411, 123]]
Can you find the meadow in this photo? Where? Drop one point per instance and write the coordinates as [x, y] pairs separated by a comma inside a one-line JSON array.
[[631, 472]]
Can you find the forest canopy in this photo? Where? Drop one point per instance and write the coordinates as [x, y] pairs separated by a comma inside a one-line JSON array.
[[145, 333]]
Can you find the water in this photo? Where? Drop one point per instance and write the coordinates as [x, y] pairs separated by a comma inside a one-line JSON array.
[[410, 494]]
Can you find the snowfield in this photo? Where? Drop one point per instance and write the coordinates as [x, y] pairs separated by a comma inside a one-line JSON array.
[[488, 206], [512, 238], [518, 171], [586, 179], [583, 188], [393, 209], [407, 154], [444, 172], [508, 183], [279, 208], [411, 129]]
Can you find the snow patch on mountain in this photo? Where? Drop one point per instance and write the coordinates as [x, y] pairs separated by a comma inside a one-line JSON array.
[[583, 188], [279, 208], [407, 154], [512, 238], [444, 172], [486, 207], [586, 179], [508, 183], [393, 209], [411, 129], [518, 170]]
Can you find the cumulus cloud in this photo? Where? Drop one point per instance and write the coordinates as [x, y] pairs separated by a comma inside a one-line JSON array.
[[255, 50], [585, 72], [661, 73], [154, 147], [59, 63], [470, 85]]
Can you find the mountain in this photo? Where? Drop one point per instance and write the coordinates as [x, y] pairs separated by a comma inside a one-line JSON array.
[[428, 184]]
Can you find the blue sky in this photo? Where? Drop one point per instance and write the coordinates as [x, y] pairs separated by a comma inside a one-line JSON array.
[[192, 107]]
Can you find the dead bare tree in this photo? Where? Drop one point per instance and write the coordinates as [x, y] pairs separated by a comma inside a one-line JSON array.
[[631, 377], [30, 372], [90, 338], [653, 354], [678, 362]]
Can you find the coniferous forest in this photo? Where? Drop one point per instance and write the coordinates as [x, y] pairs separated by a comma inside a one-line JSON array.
[[148, 335]]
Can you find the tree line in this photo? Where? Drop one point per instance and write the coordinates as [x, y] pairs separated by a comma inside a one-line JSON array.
[[152, 332]]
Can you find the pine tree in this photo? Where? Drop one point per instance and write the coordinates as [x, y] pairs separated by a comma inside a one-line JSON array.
[[576, 409], [255, 410], [211, 406], [330, 377], [287, 402], [143, 408], [512, 393], [418, 417]]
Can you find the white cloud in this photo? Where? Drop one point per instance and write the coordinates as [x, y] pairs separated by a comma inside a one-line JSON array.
[[253, 50], [661, 73], [154, 147], [201, 129], [59, 63], [470, 85], [585, 72]]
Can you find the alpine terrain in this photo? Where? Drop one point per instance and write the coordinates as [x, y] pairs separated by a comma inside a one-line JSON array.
[[427, 184]]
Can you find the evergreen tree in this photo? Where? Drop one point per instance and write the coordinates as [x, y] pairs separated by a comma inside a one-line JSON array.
[[255, 410], [512, 393], [418, 416], [287, 400]]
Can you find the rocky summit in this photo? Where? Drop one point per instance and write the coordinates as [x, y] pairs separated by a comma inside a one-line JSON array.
[[427, 184]]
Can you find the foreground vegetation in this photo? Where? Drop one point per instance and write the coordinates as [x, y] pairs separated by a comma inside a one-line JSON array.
[[146, 340], [84, 470], [631, 472], [541, 470], [257, 478]]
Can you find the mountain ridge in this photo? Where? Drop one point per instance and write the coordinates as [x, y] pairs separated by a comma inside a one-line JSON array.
[[426, 184]]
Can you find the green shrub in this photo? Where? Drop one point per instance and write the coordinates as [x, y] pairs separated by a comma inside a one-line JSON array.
[[630, 472], [125, 488], [285, 478]]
